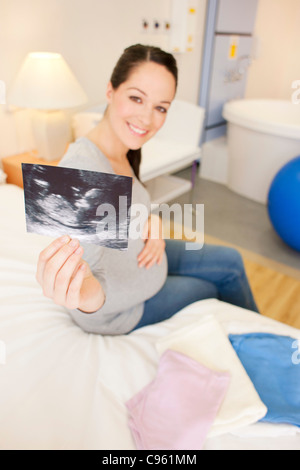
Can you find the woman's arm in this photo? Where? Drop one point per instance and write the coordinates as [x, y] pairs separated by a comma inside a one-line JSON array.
[[67, 279]]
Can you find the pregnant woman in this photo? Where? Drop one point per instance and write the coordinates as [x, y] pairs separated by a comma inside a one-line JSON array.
[[112, 292]]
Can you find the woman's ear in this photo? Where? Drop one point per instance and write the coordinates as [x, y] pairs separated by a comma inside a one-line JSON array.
[[109, 92]]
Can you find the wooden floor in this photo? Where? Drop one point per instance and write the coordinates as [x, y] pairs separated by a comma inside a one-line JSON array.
[[277, 295], [276, 287]]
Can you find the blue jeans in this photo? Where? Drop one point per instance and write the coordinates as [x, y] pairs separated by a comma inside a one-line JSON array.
[[213, 272]]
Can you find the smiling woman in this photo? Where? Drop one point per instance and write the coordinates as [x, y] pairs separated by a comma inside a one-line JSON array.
[[139, 94], [140, 105], [117, 292], [132, 58]]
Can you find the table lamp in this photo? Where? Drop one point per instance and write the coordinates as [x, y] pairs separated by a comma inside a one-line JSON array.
[[46, 84]]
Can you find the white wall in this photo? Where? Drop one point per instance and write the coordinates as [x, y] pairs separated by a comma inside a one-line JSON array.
[[278, 64], [91, 35]]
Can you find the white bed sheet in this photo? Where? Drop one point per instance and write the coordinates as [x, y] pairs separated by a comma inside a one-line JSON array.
[[64, 389]]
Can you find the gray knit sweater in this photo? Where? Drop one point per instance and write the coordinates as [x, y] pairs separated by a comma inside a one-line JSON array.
[[126, 286]]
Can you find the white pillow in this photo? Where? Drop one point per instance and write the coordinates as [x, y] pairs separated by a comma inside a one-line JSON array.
[[83, 123]]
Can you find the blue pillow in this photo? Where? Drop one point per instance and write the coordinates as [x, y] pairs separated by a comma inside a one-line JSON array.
[[272, 363]]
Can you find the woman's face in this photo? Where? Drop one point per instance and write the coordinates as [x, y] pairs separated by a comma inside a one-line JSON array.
[[138, 108]]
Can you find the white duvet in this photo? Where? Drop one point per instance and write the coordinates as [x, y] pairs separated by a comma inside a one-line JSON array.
[[61, 388]]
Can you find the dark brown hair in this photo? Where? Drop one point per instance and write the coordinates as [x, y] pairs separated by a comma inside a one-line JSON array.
[[131, 58]]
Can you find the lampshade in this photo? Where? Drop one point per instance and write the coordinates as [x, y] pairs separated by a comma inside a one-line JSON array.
[[45, 81]]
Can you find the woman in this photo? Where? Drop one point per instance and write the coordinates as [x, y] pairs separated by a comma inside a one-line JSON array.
[[113, 292]]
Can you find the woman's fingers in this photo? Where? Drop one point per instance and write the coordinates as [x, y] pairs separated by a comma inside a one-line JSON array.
[[54, 265], [65, 275], [47, 254], [160, 259], [73, 294], [152, 253], [154, 243], [146, 254], [152, 261], [67, 279]]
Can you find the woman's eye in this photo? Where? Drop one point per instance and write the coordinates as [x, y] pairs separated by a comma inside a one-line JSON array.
[[162, 110], [136, 99]]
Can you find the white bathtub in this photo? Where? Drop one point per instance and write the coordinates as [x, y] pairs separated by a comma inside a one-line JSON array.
[[263, 135]]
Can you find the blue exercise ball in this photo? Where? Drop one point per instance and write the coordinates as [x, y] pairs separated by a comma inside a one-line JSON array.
[[284, 203]]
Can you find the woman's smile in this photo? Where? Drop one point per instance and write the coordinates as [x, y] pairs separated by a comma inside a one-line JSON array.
[[137, 131]]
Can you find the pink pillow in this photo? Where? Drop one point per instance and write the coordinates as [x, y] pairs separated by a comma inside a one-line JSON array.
[[176, 410]]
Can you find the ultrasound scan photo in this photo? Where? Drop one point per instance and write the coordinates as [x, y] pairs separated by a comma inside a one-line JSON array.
[[90, 206]]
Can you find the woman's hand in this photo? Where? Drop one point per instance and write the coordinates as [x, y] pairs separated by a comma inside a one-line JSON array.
[[155, 245], [66, 278]]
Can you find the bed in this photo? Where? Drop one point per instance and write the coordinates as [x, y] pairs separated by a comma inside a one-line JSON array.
[[62, 388]]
